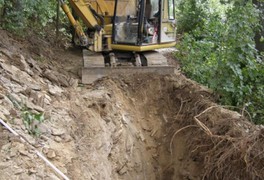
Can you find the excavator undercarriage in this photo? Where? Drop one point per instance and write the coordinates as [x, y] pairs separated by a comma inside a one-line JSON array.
[[97, 65]]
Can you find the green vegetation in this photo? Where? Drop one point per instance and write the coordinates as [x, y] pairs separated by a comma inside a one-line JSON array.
[[18, 16], [31, 121], [218, 50]]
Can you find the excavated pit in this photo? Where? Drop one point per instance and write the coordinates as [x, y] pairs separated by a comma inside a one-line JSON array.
[[161, 127], [136, 119]]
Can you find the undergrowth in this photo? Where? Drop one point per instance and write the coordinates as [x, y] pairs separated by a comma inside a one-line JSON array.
[[220, 52], [31, 121]]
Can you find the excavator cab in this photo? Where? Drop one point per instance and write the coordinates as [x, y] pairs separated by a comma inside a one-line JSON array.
[[142, 25]]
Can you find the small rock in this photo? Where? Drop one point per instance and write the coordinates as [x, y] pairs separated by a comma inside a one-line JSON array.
[[15, 99], [13, 152], [9, 68], [23, 152], [35, 87], [43, 128], [4, 111], [17, 75], [140, 136], [123, 170], [155, 155], [63, 169], [57, 132], [63, 80], [51, 154], [7, 53], [51, 76], [45, 150], [56, 78], [45, 138], [13, 112], [32, 171], [55, 90], [15, 139], [29, 139], [146, 127], [6, 147], [2, 116], [24, 65], [52, 176], [73, 82], [4, 165], [38, 98], [57, 139], [180, 158], [2, 96], [18, 171], [32, 106], [66, 138], [11, 86], [33, 63], [47, 99], [7, 103], [18, 121], [24, 97]]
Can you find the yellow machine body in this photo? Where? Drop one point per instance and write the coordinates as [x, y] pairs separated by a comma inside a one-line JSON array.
[[118, 30]]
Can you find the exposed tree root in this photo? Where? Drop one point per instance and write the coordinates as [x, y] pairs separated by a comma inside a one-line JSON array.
[[230, 156]]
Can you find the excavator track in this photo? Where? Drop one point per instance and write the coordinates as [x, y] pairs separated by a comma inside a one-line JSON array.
[[95, 68], [154, 59]]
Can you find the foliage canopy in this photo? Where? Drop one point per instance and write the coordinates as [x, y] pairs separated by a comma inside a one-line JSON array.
[[220, 52], [17, 15]]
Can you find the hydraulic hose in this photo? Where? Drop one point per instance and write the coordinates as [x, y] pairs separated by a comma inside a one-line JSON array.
[[99, 17]]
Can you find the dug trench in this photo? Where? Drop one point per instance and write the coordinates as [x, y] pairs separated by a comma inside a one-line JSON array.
[[131, 136], [162, 127], [145, 126]]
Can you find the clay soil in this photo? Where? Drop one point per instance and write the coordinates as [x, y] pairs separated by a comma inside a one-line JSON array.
[[144, 126]]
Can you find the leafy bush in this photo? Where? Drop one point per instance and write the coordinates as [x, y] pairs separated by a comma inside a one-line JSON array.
[[189, 15], [221, 54], [19, 15]]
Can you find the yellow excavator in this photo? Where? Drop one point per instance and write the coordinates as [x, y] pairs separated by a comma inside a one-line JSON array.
[[120, 35]]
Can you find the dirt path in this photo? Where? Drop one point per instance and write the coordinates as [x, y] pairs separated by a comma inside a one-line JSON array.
[[141, 127]]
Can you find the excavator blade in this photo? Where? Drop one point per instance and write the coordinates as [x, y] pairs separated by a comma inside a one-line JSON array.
[[89, 75], [94, 67]]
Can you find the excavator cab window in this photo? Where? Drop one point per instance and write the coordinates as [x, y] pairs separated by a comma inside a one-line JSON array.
[[143, 22], [126, 21], [136, 22], [171, 10]]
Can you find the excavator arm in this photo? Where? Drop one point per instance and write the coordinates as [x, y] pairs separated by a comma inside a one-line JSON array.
[[88, 16], [84, 11]]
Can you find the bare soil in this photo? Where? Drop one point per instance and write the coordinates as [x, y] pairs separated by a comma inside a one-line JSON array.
[[144, 126]]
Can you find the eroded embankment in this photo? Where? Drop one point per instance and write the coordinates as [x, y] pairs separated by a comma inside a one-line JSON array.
[[140, 127], [191, 137], [156, 127]]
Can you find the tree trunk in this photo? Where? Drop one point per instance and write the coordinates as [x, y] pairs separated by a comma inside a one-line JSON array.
[[57, 20], [2, 12], [260, 34]]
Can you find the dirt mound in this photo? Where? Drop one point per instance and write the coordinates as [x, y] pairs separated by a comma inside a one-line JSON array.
[[141, 127]]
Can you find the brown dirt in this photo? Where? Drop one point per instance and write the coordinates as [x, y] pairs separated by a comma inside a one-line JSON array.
[[142, 127]]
